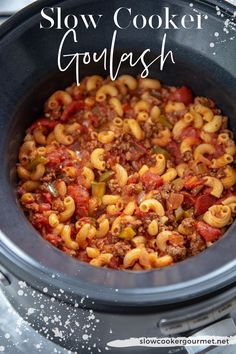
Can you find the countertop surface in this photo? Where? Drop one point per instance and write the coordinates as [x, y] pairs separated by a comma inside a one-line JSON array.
[[18, 337]]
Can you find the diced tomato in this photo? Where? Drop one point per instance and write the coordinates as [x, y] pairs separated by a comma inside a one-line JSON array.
[[140, 146], [114, 263], [209, 233], [182, 94], [136, 155], [102, 109], [44, 207], [94, 119], [47, 197], [174, 201], [137, 150], [192, 182], [109, 238], [140, 214], [82, 256], [81, 178], [190, 132], [84, 129], [219, 150], [203, 202], [39, 221], [81, 198], [214, 137], [53, 239], [207, 190], [111, 158], [56, 157], [151, 181], [173, 148], [133, 179], [126, 107], [72, 108], [44, 122], [189, 200]]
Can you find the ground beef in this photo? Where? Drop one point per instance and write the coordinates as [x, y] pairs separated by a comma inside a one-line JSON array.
[[188, 156], [58, 205], [165, 191], [133, 189], [156, 194], [221, 173], [49, 176], [188, 222], [207, 102], [115, 262], [197, 244], [146, 220], [152, 130], [224, 122], [121, 248], [114, 186], [178, 253], [92, 145], [171, 219], [173, 117], [32, 206]]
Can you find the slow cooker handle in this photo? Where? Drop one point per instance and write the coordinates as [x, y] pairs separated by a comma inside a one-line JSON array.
[[223, 328]]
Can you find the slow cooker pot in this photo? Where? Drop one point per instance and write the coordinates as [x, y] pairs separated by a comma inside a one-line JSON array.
[[34, 275]]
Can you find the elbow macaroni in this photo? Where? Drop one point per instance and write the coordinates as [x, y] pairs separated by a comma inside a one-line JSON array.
[[69, 206], [104, 91], [97, 159], [218, 216], [121, 175], [152, 204], [215, 184], [135, 129]]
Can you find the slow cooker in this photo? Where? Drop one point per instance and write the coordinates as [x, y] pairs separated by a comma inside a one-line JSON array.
[[84, 308]]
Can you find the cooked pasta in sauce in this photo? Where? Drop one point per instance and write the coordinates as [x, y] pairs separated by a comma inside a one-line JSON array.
[[128, 174]]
